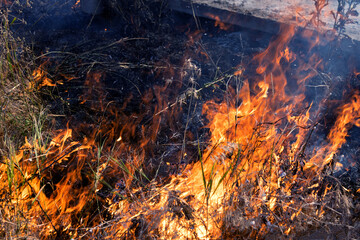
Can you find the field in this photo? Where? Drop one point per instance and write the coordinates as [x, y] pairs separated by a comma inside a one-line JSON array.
[[145, 123]]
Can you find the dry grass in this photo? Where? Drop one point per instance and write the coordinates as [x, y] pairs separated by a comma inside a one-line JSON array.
[[19, 104], [21, 116]]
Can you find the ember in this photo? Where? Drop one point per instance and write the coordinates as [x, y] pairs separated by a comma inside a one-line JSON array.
[[155, 136]]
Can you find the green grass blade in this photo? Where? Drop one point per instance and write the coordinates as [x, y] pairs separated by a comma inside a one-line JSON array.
[[12, 22]]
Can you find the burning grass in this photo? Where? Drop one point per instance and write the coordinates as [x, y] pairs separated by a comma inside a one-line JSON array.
[[21, 116], [261, 173]]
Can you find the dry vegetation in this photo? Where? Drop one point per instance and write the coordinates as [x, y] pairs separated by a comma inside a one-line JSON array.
[[22, 116], [262, 190], [20, 106]]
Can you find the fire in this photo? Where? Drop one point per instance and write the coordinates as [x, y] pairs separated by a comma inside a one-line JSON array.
[[252, 144], [349, 116], [255, 175], [76, 5], [40, 78], [218, 22]]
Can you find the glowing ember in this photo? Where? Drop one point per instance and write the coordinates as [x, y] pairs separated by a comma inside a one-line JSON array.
[[76, 5]]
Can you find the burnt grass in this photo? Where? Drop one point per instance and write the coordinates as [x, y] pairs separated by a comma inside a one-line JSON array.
[[147, 47]]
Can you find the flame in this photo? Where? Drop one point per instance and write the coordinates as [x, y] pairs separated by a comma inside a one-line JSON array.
[[253, 170], [349, 116], [338, 166], [218, 22], [40, 78], [76, 5], [248, 141]]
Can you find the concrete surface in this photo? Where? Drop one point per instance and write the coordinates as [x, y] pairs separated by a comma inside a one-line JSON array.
[[296, 12]]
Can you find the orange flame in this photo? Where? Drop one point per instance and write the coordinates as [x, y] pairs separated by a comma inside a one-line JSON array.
[[252, 170], [40, 78], [76, 5], [219, 23]]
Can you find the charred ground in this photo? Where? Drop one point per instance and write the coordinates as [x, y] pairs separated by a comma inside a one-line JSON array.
[[144, 73]]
